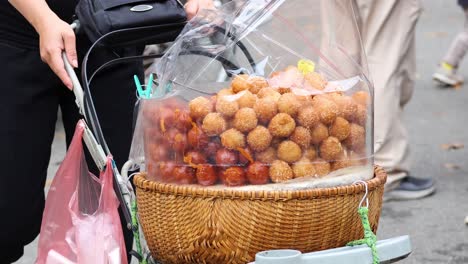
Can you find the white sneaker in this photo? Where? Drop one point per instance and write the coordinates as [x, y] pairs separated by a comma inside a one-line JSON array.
[[447, 77]]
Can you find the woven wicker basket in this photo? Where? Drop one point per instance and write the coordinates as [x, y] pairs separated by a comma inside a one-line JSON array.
[[195, 225]]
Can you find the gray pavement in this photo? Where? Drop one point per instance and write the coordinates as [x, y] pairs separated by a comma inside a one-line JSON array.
[[434, 117]]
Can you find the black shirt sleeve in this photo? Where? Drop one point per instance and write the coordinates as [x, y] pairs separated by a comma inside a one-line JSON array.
[[15, 29]]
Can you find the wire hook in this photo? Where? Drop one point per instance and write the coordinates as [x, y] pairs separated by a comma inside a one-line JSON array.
[[365, 198]]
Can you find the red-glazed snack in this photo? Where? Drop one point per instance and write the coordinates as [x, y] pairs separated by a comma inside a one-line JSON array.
[[258, 173], [197, 139], [150, 112], [166, 118], [194, 158], [157, 152], [180, 142], [226, 158], [182, 120], [184, 175], [169, 135], [212, 147], [206, 174], [153, 172], [233, 176], [245, 156], [153, 134], [167, 171]]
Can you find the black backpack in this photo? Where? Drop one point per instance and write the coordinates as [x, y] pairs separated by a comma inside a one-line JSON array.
[[138, 18]]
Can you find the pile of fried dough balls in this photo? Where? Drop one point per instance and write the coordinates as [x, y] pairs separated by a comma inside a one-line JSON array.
[[251, 133]]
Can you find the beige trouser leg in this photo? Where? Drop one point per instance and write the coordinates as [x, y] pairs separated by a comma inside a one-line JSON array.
[[388, 33]]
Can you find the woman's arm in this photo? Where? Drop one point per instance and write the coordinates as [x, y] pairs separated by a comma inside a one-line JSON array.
[[54, 35]]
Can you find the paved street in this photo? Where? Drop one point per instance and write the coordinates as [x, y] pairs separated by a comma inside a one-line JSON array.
[[434, 117]]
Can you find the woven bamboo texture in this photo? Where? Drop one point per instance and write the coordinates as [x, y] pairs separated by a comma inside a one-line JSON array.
[[194, 225]]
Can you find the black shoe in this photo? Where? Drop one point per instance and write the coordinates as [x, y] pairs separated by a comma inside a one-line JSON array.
[[411, 188]]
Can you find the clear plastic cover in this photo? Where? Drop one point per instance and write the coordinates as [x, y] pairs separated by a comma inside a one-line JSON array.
[[250, 95]]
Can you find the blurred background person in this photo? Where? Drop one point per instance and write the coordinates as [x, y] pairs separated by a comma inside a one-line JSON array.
[[446, 74], [388, 34]]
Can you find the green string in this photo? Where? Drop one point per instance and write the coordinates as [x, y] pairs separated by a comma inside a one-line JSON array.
[[136, 231], [369, 237]]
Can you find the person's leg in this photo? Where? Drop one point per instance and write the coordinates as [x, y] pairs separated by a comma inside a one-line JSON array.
[[459, 46], [384, 20], [392, 67], [446, 73], [28, 111]]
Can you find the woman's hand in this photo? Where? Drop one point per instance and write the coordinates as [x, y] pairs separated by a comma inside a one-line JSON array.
[[192, 7], [56, 36]]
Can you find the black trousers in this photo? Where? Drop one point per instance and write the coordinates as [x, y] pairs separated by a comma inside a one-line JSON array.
[[30, 95]]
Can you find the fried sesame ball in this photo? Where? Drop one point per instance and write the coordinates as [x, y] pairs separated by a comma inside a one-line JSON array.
[[214, 124], [310, 153], [316, 80], [334, 96], [269, 93], [289, 151], [257, 83], [305, 101], [341, 163], [232, 139], [200, 107], [283, 90], [225, 92], [259, 139], [360, 116], [282, 125], [265, 109], [240, 83], [308, 117], [318, 134], [331, 149], [303, 168], [322, 167], [326, 109], [226, 107], [276, 141], [245, 120], [357, 138], [289, 104], [347, 107], [361, 98], [248, 99], [267, 156], [301, 136], [280, 171], [340, 129]]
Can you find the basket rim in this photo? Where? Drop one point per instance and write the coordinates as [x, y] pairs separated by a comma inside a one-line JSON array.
[[379, 179]]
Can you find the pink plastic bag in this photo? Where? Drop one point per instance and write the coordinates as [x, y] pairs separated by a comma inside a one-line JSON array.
[[81, 223]]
